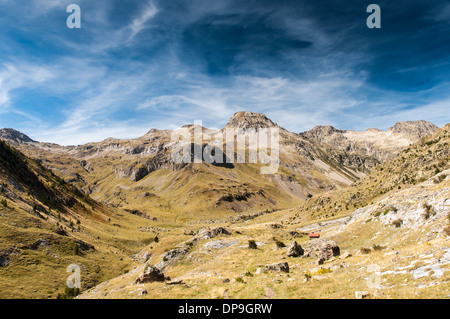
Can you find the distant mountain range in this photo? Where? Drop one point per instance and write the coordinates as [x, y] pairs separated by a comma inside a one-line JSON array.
[[124, 173]]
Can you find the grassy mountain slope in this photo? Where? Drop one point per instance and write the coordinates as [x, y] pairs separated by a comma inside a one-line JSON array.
[[407, 261], [413, 165], [139, 173], [46, 224]]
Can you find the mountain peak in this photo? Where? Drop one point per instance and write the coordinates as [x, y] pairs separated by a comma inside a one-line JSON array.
[[325, 130], [417, 129], [250, 120], [12, 135], [321, 132]]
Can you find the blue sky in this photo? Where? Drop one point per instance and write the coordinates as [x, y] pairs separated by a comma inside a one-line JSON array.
[[137, 64]]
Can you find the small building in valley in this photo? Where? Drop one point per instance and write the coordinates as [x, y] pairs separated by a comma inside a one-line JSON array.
[[314, 235]]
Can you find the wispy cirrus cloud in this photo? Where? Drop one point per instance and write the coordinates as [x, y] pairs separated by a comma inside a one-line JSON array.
[[136, 64], [139, 22], [17, 76]]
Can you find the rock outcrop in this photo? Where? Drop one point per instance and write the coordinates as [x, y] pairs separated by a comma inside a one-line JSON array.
[[206, 233], [295, 250], [249, 120], [173, 255], [414, 130], [327, 250], [279, 267], [368, 148], [12, 136], [151, 274]]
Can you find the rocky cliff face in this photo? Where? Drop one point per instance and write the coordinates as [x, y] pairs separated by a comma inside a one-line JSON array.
[[374, 145], [414, 130], [13, 136], [416, 163]]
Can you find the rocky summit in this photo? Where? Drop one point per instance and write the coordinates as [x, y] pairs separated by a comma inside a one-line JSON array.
[[347, 214], [249, 120], [14, 136]]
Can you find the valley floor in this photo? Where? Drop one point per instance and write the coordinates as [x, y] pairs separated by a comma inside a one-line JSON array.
[[380, 257]]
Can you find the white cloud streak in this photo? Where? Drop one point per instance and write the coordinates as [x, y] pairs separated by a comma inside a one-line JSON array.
[[139, 22], [17, 76]]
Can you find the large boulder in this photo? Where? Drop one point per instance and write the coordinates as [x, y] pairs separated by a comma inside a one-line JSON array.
[[151, 274], [309, 253], [328, 249], [280, 267], [206, 233], [295, 250], [39, 243]]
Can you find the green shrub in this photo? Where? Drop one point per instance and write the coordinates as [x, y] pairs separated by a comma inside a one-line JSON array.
[[323, 271], [75, 248], [429, 211], [69, 293], [397, 223], [279, 244], [378, 247], [252, 244]]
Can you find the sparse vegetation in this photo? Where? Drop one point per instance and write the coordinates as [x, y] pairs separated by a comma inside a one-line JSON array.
[[429, 211], [69, 293], [324, 271], [252, 244], [377, 247], [397, 223], [439, 179], [75, 248], [447, 230], [279, 243]]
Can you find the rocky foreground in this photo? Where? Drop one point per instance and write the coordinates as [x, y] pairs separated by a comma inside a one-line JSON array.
[[398, 247]]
